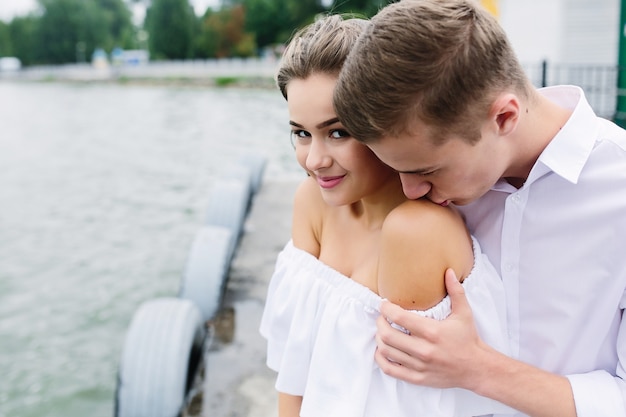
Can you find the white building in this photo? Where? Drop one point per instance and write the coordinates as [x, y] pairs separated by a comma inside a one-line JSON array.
[[566, 42], [563, 31]]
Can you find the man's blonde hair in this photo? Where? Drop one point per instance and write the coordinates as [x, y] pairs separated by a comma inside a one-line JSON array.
[[437, 61]]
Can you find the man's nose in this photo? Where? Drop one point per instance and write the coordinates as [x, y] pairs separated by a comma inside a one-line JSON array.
[[414, 186]]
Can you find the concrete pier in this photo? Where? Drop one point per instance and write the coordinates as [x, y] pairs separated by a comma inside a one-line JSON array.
[[236, 381]]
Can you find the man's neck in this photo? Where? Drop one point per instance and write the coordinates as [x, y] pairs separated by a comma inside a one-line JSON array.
[[540, 122]]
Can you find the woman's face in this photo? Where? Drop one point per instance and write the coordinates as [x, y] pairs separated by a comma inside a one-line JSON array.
[[345, 169]]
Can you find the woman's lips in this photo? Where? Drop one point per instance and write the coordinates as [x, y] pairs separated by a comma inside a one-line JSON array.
[[329, 182]]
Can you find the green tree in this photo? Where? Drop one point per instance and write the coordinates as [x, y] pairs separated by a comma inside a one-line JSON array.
[[69, 30], [222, 34], [270, 20], [206, 39], [118, 19], [170, 25], [273, 21], [6, 47], [23, 32], [65, 31], [367, 8]]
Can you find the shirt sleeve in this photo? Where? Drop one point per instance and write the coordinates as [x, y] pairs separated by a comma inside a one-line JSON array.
[[598, 393]]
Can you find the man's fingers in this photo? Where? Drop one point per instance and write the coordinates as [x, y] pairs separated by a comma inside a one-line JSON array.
[[391, 311], [402, 367], [455, 290], [391, 341], [403, 319]]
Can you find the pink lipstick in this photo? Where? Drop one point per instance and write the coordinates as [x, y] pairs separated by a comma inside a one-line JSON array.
[[329, 182]]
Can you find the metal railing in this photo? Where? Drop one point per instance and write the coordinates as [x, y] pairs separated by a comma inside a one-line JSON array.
[[599, 82]]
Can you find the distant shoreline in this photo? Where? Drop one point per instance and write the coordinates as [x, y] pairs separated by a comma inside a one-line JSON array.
[[210, 82], [248, 73]]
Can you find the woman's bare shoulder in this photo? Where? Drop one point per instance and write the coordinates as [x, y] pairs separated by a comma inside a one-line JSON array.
[[308, 212], [419, 241], [429, 216]]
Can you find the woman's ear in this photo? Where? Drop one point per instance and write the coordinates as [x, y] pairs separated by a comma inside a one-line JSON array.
[[505, 111]]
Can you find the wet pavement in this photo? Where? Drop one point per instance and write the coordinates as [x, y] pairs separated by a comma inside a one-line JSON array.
[[236, 382]]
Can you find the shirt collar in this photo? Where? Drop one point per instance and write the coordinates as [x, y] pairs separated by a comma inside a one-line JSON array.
[[568, 151]]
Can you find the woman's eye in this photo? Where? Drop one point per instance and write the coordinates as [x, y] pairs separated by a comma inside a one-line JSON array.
[[300, 134], [339, 134]]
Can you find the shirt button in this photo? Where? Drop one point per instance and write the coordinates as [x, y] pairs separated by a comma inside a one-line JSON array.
[[516, 198], [509, 267]]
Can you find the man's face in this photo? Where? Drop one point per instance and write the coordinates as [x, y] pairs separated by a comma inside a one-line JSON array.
[[454, 172]]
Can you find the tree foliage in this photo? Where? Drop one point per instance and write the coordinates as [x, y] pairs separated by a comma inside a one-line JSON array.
[[70, 30], [366, 8], [6, 46], [222, 34], [64, 31], [24, 39], [274, 21], [170, 24], [118, 20]]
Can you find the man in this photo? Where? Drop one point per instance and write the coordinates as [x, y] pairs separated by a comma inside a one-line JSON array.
[[433, 87]]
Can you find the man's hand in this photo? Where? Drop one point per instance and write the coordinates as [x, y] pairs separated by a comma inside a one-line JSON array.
[[440, 354], [449, 353]]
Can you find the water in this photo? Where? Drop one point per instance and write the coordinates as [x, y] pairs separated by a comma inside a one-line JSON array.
[[102, 188]]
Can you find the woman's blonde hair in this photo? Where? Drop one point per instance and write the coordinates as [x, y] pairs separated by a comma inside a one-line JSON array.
[[321, 47]]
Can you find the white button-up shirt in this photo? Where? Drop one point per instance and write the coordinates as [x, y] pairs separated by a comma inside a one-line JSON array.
[[559, 243]]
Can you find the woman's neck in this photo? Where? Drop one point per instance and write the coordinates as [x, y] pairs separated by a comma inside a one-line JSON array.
[[374, 208]]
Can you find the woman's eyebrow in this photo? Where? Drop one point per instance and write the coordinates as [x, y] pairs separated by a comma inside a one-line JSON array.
[[319, 126], [328, 123]]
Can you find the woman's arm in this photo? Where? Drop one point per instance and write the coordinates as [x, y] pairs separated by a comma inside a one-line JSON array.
[[419, 241], [308, 207], [289, 405], [305, 231]]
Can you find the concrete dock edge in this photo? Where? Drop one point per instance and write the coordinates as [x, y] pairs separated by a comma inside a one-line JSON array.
[[235, 380]]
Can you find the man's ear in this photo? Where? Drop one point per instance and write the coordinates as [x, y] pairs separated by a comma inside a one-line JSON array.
[[505, 112]]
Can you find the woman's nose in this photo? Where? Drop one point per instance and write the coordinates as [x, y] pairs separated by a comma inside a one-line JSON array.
[[318, 156]]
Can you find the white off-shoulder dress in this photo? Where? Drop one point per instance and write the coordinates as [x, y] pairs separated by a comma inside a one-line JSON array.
[[320, 327]]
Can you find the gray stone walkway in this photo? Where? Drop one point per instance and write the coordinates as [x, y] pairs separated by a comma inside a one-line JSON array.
[[237, 383]]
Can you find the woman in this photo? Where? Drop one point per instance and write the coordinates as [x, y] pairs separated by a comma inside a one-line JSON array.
[[357, 240]]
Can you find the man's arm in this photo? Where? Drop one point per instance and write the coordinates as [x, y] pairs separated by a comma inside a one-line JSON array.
[[450, 353]]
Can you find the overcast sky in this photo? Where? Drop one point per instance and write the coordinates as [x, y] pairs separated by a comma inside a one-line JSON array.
[[11, 8]]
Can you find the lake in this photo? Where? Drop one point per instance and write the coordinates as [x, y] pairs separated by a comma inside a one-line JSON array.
[[102, 188]]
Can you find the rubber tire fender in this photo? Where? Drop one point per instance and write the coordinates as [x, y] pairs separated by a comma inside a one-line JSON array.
[[163, 345], [227, 207], [255, 164], [207, 268]]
